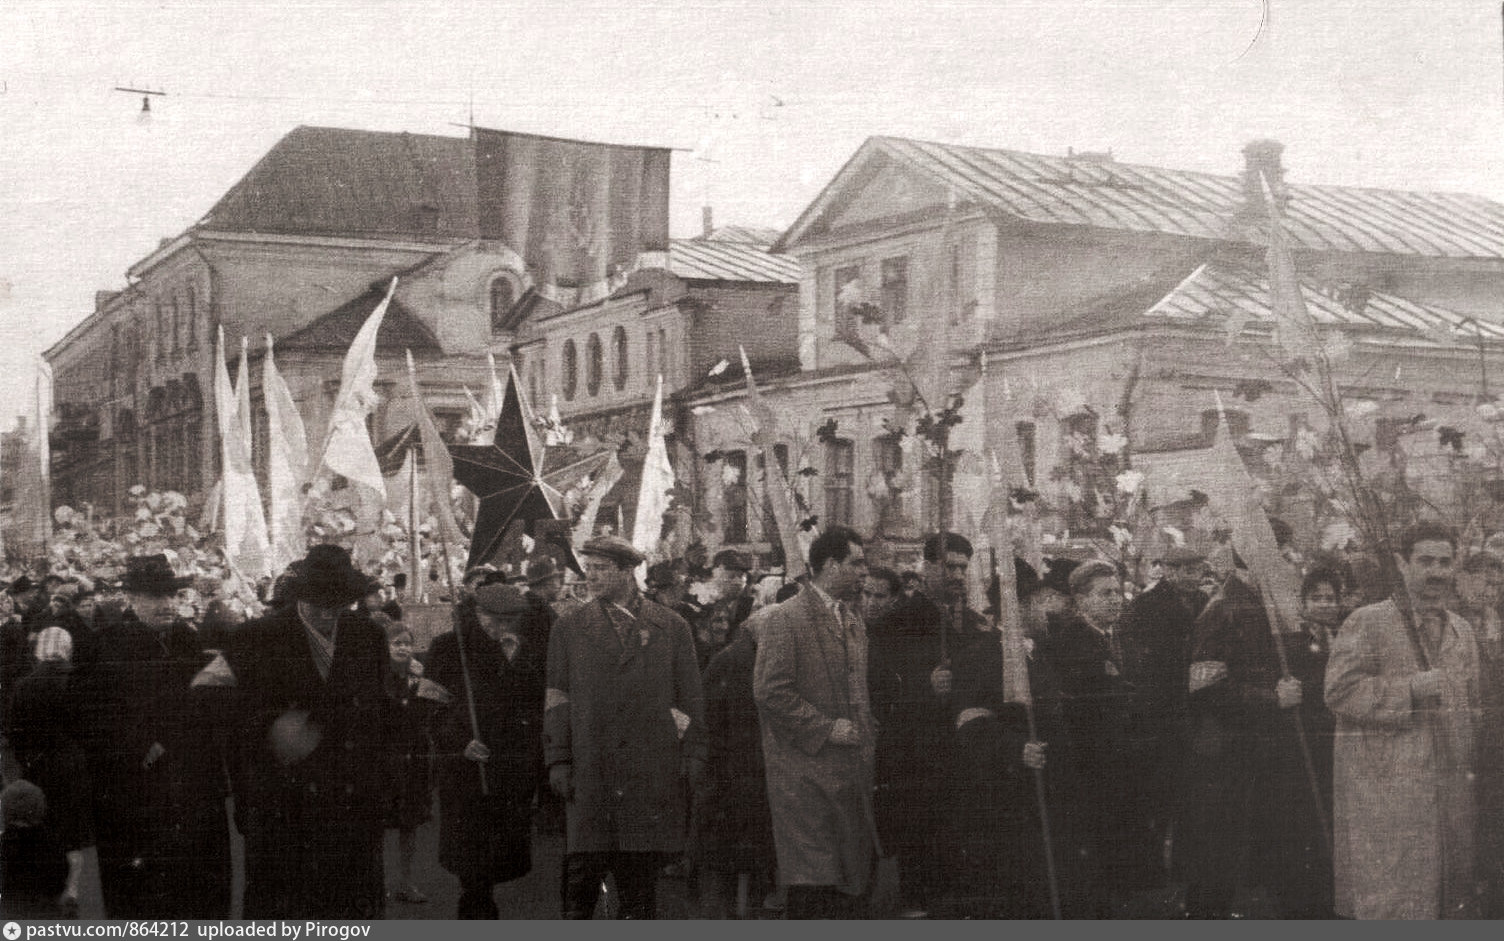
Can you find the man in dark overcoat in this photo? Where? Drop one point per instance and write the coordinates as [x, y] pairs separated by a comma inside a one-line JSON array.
[[623, 728], [156, 748], [485, 834], [313, 723], [917, 652]]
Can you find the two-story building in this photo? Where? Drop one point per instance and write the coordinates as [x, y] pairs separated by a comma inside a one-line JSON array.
[[1105, 296]]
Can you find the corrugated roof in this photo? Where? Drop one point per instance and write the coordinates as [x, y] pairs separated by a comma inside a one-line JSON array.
[[1217, 292], [745, 234], [1111, 195], [716, 260], [334, 181]]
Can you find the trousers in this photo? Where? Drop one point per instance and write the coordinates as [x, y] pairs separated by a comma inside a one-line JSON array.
[[635, 875]]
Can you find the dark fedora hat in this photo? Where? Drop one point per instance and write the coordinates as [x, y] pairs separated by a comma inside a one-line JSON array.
[[152, 575], [328, 578], [541, 569]]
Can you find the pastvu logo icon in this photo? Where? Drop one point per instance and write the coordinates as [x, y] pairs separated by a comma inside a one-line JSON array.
[[12, 931]]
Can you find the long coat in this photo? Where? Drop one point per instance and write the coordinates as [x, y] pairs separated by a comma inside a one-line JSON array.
[[1248, 791], [610, 714], [1403, 810], [46, 731], [162, 832], [808, 675], [735, 826], [488, 837], [313, 828]]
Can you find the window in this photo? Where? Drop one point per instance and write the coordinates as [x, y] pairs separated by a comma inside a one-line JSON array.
[[177, 320], [593, 365], [665, 355], [503, 297], [734, 497], [848, 296], [190, 305], [839, 477], [571, 369], [887, 453], [161, 332], [1237, 423], [961, 280], [769, 518], [895, 287], [652, 351], [619, 342], [1027, 447]]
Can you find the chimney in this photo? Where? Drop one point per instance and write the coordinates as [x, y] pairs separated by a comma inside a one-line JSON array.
[[1262, 158], [707, 222]]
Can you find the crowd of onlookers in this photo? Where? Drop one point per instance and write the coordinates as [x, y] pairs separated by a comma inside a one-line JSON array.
[[778, 745]]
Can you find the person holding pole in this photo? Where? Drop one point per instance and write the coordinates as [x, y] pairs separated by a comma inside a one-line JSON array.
[[1254, 807], [1405, 691], [485, 834], [917, 653]]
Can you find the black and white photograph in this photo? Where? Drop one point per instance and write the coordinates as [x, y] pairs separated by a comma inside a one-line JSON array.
[[794, 460]]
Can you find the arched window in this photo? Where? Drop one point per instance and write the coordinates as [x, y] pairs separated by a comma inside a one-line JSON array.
[[571, 367], [503, 297], [177, 318], [593, 364], [619, 344], [125, 442]]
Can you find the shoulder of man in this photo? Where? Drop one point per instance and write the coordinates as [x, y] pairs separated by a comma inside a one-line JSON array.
[[660, 615]]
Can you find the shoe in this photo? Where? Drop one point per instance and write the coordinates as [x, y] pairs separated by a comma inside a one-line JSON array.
[[410, 895], [914, 914]]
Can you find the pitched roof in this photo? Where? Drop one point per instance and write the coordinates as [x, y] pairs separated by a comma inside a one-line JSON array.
[[745, 234], [1224, 296], [1107, 194], [335, 181], [336, 330], [723, 260]]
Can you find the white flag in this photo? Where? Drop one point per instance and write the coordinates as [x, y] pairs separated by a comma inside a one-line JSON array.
[[244, 522], [347, 448], [657, 481], [287, 465]]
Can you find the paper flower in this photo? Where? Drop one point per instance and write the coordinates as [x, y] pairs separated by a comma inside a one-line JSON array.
[[1110, 443], [1129, 481]]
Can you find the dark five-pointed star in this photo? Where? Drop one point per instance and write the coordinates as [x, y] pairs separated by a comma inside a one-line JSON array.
[[506, 478]]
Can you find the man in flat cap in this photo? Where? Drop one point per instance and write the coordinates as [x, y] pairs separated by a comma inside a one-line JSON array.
[[623, 728], [485, 826], [313, 727]]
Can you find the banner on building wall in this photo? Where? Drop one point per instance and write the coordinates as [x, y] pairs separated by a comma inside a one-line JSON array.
[[580, 214]]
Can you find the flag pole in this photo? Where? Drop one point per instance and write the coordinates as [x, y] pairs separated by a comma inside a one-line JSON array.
[[413, 547], [1007, 612], [454, 598]]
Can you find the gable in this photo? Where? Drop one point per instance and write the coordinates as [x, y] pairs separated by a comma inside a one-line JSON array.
[[892, 191]]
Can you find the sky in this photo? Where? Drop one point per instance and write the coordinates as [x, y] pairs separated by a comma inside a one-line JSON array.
[[766, 100]]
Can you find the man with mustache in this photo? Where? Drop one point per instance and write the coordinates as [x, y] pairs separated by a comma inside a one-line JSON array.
[[1405, 696]]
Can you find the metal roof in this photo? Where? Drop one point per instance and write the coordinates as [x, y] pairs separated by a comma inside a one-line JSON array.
[[1104, 193], [335, 181], [718, 260], [1221, 294]]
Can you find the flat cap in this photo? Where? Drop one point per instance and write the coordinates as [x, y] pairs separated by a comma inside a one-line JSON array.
[[1087, 572], [501, 599], [614, 548]]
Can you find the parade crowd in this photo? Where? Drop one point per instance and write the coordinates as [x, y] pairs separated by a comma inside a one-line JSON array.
[[776, 744]]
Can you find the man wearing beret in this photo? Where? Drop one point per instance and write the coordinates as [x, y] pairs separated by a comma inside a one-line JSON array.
[[623, 728], [313, 724], [156, 748]]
